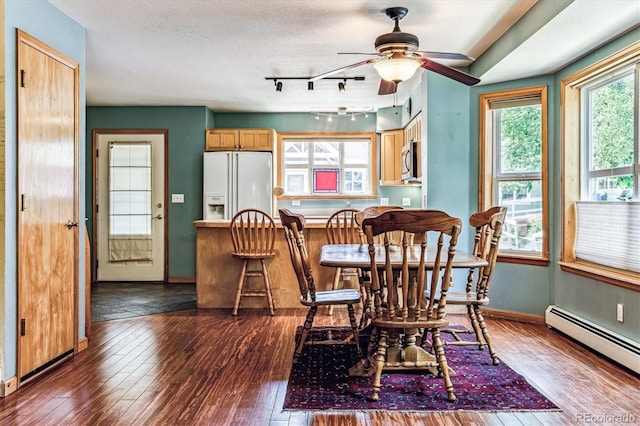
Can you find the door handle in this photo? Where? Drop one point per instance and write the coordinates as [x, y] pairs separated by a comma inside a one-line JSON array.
[[71, 224], [158, 216]]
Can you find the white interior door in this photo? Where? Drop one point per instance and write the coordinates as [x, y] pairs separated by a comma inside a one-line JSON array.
[[131, 206]]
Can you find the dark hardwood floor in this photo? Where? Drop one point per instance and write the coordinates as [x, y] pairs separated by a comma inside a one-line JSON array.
[[205, 367]]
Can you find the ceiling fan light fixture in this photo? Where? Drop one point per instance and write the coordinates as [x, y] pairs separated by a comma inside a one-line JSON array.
[[396, 70]]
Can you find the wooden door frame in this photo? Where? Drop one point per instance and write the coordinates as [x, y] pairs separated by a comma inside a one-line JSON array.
[[27, 39], [94, 211]]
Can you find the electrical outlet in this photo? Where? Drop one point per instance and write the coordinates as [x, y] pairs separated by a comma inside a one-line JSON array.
[[620, 312], [295, 202], [384, 201], [177, 198], [406, 201]]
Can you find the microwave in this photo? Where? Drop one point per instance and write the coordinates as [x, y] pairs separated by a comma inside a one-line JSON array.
[[411, 162]]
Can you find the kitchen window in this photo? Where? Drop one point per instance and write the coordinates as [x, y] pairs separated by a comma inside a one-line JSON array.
[[513, 167], [321, 165], [601, 165]]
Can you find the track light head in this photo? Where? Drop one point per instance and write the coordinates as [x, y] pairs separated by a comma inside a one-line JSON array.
[[310, 85], [341, 86], [278, 86]]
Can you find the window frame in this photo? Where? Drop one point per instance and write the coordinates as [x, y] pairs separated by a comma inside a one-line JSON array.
[[571, 122], [339, 137], [487, 179]]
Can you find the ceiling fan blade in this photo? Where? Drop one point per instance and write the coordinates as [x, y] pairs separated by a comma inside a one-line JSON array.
[[358, 53], [449, 72], [387, 87], [330, 73], [446, 55]]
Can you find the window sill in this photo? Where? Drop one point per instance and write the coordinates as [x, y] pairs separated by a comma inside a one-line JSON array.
[[523, 259], [627, 280]]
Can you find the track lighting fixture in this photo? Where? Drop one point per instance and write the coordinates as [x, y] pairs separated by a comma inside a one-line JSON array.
[[310, 84], [342, 112]]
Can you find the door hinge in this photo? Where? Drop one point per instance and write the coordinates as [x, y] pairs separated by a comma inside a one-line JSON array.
[[97, 153], [97, 208], [23, 74], [23, 202], [96, 263], [23, 327]]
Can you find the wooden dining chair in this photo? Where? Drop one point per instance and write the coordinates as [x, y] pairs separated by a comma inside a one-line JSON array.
[[365, 275], [488, 229], [400, 308], [253, 233], [373, 211], [294, 232], [342, 228]]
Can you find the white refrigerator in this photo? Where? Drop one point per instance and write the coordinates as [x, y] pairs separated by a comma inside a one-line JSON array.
[[234, 180]]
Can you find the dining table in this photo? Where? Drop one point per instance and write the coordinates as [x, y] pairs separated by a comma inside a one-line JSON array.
[[357, 256]]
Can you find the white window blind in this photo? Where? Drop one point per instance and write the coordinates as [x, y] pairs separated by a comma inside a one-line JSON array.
[[609, 234]]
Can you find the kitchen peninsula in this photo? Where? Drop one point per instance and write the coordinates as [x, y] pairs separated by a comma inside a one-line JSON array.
[[217, 271]]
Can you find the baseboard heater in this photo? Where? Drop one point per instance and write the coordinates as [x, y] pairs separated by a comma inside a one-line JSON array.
[[608, 343]]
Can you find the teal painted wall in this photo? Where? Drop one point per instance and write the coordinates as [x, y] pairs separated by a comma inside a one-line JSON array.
[[186, 127], [43, 21]]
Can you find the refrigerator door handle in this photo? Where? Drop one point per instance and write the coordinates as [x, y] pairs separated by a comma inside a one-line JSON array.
[[233, 186]]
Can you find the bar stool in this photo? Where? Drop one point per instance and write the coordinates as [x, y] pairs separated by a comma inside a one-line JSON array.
[[253, 233]]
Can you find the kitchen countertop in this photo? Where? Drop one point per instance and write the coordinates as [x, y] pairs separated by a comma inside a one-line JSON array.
[[309, 223]]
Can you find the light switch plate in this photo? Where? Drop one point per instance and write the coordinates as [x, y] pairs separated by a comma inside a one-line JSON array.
[[384, 201], [177, 198], [406, 201]]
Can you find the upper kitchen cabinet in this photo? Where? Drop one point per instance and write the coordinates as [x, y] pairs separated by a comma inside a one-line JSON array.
[[391, 152], [240, 139], [391, 142]]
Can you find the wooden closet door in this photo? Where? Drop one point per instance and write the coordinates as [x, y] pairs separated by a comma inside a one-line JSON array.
[[48, 200]]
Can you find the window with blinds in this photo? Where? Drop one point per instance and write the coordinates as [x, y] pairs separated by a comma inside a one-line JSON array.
[[601, 170]]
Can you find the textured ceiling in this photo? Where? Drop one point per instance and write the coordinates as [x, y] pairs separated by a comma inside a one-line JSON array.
[[218, 52]]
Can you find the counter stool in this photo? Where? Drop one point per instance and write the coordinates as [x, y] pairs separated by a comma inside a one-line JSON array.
[[253, 233]]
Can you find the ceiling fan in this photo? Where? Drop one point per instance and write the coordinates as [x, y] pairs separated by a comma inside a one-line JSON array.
[[398, 58]]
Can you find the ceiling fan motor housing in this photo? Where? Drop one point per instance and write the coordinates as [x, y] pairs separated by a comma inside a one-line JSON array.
[[396, 41]]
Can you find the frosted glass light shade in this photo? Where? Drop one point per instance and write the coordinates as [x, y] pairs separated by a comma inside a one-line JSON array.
[[396, 70]]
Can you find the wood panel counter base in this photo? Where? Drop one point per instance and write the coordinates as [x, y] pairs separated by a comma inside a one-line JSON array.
[[217, 271]]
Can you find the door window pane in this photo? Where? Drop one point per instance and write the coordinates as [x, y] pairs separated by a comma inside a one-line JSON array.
[[130, 188]]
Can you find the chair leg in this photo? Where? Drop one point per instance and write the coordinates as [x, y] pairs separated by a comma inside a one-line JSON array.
[[354, 327], [442, 363], [379, 364], [243, 276], [336, 279], [474, 324], [308, 323], [486, 335], [267, 286]]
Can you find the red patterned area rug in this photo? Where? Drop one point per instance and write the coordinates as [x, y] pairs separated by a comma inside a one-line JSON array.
[[320, 381]]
